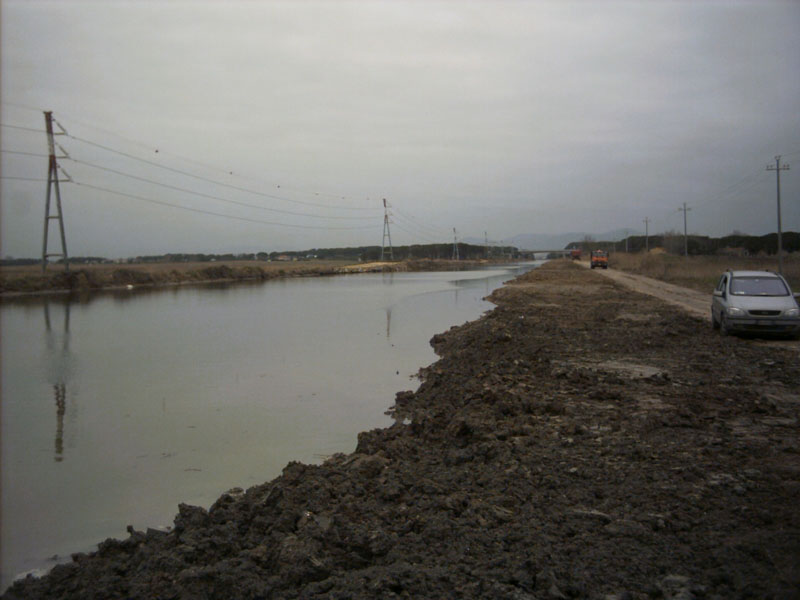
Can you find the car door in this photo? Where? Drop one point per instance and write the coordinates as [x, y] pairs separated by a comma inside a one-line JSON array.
[[719, 298]]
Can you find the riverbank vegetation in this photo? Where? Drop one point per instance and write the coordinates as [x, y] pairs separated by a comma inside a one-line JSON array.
[[347, 254], [736, 244], [702, 272], [30, 279]]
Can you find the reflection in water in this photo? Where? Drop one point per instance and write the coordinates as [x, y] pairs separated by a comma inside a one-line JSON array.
[[229, 361], [59, 357], [61, 407]]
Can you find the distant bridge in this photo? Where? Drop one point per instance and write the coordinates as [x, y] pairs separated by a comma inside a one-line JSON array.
[[532, 253]]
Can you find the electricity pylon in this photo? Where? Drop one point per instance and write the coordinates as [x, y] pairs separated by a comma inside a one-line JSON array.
[[386, 232], [52, 183]]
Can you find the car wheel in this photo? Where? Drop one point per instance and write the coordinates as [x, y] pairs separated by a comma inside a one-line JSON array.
[[714, 322], [723, 325]]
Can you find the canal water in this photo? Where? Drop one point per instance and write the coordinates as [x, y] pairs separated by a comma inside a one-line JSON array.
[[116, 407]]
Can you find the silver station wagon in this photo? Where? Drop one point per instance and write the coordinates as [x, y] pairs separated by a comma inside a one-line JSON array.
[[754, 302]]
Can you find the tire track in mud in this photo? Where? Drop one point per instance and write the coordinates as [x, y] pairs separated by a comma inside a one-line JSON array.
[[695, 303]]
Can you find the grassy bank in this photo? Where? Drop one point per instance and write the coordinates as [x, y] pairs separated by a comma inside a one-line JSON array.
[[30, 279], [701, 272]]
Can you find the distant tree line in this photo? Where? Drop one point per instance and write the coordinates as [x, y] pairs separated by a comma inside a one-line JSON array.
[[673, 242], [358, 253]]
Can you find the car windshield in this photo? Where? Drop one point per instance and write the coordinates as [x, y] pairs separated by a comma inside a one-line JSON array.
[[758, 286]]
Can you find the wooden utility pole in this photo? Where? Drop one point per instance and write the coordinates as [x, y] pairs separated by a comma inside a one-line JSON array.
[[52, 183], [778, 168], [685, 233], [455, 244], [646, 235]]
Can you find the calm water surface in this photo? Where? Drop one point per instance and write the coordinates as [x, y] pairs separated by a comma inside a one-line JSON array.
[[117, 408]]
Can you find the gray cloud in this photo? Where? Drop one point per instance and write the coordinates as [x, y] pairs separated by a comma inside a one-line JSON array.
[[514, 117]]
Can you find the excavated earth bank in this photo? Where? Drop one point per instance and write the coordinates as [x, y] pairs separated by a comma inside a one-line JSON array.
[[579, 441]]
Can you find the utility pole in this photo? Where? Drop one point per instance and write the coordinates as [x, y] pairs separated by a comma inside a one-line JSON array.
[[386, 232], [52, 182], [455, 244], [778, 168], [685, 234], [646, 235], [486, 242]]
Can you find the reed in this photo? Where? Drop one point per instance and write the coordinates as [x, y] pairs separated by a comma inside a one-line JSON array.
[[702, 272]]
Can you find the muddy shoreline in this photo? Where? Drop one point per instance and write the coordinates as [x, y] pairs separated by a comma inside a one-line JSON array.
[[28, 281], [579, 441]]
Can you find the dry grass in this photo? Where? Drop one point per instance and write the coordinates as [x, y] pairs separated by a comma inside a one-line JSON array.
[[30, 279], [702, 272], [180, 267]]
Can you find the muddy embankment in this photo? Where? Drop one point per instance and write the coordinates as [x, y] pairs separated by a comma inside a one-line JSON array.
[[579, 441], [31, 280]]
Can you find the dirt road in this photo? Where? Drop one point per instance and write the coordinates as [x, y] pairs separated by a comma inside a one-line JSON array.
[[579, 441], [695, 303]]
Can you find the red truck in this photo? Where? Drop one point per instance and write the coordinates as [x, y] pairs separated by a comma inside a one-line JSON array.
[[575, 254], [599, 259]]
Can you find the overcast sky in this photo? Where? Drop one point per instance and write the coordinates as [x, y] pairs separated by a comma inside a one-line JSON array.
[[498, 117]]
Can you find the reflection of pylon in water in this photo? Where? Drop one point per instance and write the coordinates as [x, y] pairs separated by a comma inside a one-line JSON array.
[[61, 407], [386, 232], [59, 373]]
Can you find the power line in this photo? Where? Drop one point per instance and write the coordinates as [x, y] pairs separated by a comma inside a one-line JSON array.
[[214, 181], [434, 230], [210, 180], [39, 155], [422, 231], [414, 234], [22, 128], [753, 176], [22, 178], [25, 106], [216, 168], [215, 214], [209, 196]]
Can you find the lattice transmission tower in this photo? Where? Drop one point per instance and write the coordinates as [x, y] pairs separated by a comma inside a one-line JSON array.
[[386, 232], [52, 184]]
